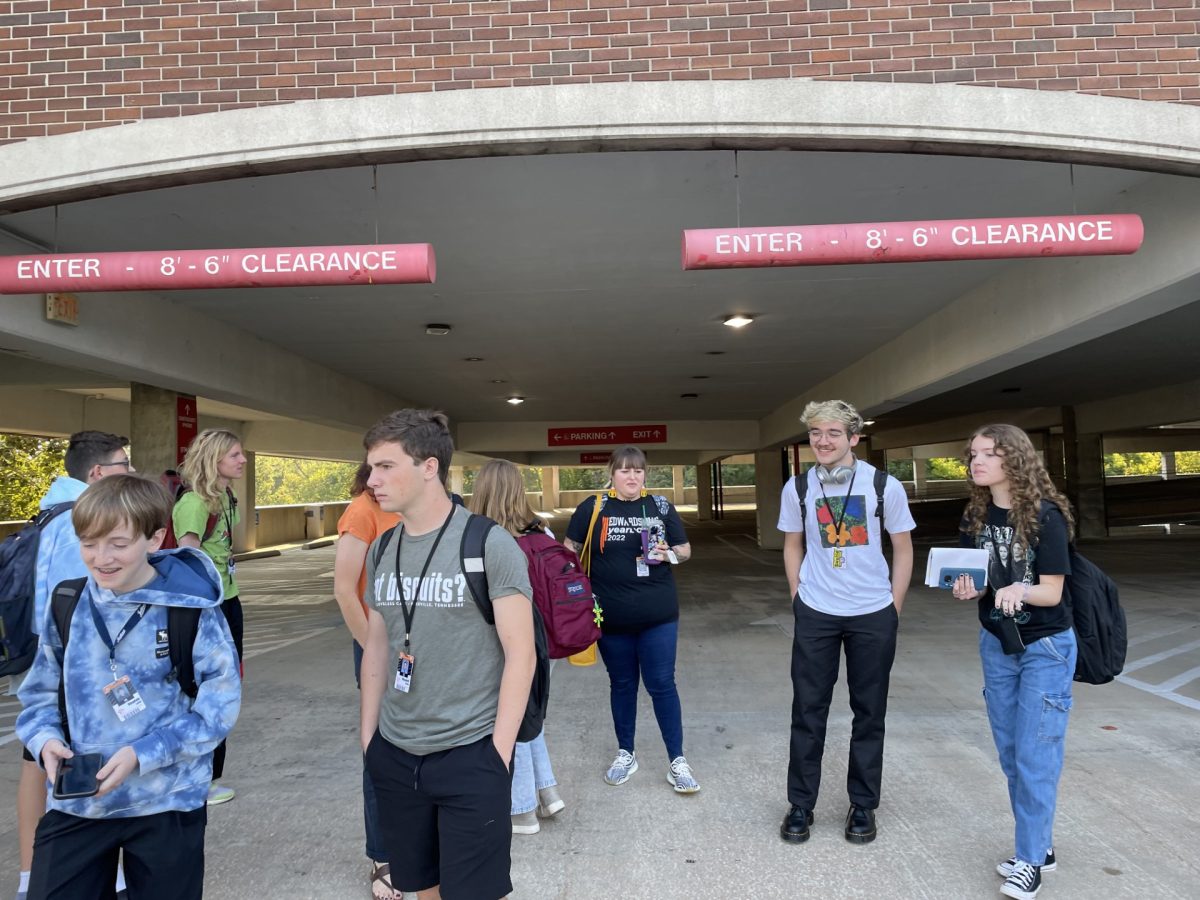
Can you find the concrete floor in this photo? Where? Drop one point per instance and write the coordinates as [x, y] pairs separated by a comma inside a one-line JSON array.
[[1129, 811]]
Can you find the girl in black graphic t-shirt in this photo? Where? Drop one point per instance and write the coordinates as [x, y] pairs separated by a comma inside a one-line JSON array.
[[1025, 524]]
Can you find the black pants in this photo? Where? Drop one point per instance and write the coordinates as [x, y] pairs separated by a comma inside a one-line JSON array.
[[870, 643], [232, 608], [76, 858]]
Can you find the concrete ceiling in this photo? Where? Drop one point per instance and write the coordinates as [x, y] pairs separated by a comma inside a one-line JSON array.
[[563, 273]]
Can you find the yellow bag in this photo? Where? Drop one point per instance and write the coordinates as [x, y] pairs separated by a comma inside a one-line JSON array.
[[587, 657]]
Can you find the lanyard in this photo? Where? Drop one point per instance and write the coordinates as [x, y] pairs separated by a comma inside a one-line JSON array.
[[112, 642], [410, 614], [845, 501]]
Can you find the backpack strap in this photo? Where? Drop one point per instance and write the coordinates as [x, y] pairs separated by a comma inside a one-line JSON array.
[[43, 518], [471, 559], [63, 601], [881, 477], [800, 480], [585, 554], [384, 539], [182, 624]]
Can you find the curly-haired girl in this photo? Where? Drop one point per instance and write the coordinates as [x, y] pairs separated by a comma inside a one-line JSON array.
[[1026, 644]]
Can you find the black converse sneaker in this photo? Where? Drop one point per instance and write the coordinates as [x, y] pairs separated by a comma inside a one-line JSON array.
[[1024, 882], [1005, 868]]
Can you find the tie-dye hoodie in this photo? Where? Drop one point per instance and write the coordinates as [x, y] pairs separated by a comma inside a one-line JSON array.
[[173, 737], [58, 556]]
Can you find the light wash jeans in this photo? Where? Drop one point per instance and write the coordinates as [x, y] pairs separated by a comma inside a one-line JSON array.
[[531, 773], [1028, 699]]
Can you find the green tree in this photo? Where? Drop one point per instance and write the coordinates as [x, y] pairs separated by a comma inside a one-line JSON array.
[[582, 479], [946, 468], [737, 474], [27, 466], [901, 469], [1116, 464], [280, 480], [1187, 462]]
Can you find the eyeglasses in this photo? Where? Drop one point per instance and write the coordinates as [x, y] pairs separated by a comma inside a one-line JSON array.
[[832, 435], [124, 463], [1022, 617]]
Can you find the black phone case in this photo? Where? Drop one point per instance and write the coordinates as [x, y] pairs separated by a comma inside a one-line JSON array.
[[1010, 636], [77, 776]]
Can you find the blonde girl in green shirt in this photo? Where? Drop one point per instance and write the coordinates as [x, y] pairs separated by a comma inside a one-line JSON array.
[[214, 459]]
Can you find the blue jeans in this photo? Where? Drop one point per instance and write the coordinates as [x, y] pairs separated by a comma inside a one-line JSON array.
[[1028, 699], [375, 848], [531, 773], [650, 654]]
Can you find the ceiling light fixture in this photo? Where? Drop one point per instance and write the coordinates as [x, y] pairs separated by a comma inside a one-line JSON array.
[[437, 329], [868, 421], [714, 352], [700, 377], [688, 396], [738, 321], [472, 359], [515, 401], [499, 381]]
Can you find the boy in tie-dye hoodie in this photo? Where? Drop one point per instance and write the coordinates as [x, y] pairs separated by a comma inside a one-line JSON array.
[[155, 741]]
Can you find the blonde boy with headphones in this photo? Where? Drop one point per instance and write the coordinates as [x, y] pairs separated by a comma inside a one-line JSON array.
[[842, 595]]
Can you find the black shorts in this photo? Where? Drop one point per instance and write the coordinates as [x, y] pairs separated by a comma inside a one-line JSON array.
[[444, 818]]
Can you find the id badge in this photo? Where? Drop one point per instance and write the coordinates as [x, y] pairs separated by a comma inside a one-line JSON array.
[[124, 698], [404, 674], [643, 570], [230, 566], [839, 558]]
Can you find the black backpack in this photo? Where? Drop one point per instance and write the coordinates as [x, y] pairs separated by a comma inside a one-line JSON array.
[[182, 625], [1098, 619], [473, 541], [18, 576], [801, 483]]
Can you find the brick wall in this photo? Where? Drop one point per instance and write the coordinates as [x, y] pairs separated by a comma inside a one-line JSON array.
[[66, 65]]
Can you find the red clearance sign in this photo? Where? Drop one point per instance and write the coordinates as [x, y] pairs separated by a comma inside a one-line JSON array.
[[881, 242], [185, 425], [594, 458], [179, 270], [606, 434]]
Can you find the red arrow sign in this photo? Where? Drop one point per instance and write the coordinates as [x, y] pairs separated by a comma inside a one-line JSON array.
[[606, 434]]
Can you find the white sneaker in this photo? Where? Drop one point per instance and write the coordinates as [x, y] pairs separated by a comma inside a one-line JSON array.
[[1024, 882], [1006, 868], [622, 767], [679, 775], [219, 793], [526, 823]]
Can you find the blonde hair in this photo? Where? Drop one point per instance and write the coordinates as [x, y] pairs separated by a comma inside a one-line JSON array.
[[499, 494], [121, 500], [199, 469], [833, 411], [1028, 483]]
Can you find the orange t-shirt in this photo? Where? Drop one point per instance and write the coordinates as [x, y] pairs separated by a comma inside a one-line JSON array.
[[366, 521]]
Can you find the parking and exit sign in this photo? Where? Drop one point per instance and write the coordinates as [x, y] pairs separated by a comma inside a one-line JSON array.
[[606, 434]]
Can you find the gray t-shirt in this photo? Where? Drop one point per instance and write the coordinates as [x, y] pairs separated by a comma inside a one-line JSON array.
[[458, 659]]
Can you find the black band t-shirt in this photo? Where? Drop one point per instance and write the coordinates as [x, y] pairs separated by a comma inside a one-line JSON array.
[[1049, 555], [630, 603]]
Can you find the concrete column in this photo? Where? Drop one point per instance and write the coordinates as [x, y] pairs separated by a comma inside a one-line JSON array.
[[550, 490], [1056, 459], [768, 485], [704, 498], [919, 477], [456, 480], [677, 484], [151, 428], [245, 533], [1088, 484], [1168, 464]]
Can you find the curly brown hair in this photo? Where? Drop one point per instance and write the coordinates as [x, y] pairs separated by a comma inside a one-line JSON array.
[[1028, 481]]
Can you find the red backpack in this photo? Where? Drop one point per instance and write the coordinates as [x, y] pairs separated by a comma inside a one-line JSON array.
[[562, 593], [171, 480]]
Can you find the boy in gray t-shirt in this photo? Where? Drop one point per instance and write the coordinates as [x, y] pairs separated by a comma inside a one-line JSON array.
[[443, 692]]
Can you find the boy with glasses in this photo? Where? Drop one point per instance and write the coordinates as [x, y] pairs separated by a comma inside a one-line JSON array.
[[90, 456], [842, 596]]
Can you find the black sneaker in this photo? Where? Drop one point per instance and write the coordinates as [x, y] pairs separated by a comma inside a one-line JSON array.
[[1005, 868], [1024, 882], [795, 825]]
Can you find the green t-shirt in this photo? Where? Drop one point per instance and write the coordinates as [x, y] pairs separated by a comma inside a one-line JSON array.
[[190, 516]]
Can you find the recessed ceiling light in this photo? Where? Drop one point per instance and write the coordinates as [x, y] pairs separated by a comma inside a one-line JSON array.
[[699, 377], [437, 329], [472, 359], [499, 381], [1010, 390], [515, 401], [868, 421], [688, 396], [739, 321], [714, 352]]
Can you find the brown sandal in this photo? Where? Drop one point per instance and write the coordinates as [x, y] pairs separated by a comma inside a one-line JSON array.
[[382, 873]]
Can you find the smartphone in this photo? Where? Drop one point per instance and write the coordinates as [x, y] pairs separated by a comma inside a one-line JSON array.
[[77, 776]]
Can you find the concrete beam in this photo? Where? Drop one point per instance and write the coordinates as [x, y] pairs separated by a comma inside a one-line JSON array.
[[1160, 406], [957, 428], [1029, 311], [500, 437], [153, 340], [767, 114]]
